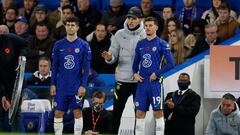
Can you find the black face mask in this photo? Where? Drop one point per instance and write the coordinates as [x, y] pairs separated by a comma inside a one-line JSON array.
[[183, 85], [97, 107]]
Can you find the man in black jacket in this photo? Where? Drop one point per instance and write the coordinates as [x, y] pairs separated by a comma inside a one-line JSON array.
[[204, 43], [181, 108], [11, 47], [96, 119]]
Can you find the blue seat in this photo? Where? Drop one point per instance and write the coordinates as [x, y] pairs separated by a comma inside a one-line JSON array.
[[34, 115], [33, 122]]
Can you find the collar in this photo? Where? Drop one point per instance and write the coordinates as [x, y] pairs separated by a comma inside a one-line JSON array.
[[183, 91], [40, 76]]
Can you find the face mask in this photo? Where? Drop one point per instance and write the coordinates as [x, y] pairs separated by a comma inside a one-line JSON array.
[[183, 85], [97, 107]]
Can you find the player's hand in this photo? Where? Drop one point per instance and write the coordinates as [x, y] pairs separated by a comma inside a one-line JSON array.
[[81, 91], [153, 77], [170, 103], [138, 78], [53, 90], [6, 104], [107, 55]]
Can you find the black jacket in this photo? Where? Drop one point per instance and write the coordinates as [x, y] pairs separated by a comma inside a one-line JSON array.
[[98, 63], [200, 46], [11, 47], [182, 121], [88, 20], [103, 124], [37, 45]]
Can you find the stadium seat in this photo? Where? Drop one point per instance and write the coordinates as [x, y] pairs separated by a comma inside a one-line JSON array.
[[33, 115]]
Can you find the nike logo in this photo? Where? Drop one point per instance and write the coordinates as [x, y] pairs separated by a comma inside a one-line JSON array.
[[61, 50]]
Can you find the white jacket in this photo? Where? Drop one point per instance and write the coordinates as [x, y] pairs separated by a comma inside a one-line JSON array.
[[122, 48]]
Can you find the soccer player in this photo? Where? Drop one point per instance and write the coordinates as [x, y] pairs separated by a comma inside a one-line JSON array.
[[70, 69], [152, 58]]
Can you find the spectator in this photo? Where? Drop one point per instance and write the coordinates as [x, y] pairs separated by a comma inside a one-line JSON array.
[[22, 28], [179, 50], [204, 43], [60, 31], [4, 29], [4, 5], [10, 18], [40, 15], [188, 14], [147, 11], [172, 24], [27, 9], [122, 49], [88, 15], [42, 77], [100, 42], [181, 108], [41, 45], [115, 16], [96, 119], [167, 13], [56, 16], [225, 119], [227, 25], [212, 14], [197, 31]]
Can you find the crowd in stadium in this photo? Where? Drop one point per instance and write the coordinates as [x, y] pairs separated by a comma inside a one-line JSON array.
[[113, 35]]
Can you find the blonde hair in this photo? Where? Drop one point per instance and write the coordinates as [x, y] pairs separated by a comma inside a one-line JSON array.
[[178, 49]]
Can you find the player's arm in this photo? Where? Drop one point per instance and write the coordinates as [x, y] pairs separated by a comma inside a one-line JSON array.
[[168, 57], [54, 69], [87, 56], [136, 62]]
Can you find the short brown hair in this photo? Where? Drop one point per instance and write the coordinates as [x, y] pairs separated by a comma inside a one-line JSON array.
[[148, 19], [224, 6], [73, 19]]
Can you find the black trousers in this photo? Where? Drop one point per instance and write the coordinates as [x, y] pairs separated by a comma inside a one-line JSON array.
[[122, 91]]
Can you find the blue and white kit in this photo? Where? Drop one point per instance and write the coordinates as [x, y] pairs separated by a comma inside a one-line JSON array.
[[70, 69], [148, 59]]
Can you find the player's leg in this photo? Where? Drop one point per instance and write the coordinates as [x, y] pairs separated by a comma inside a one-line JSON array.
[[58, 122], [76, 104], [78, 122], [59, 107], [142, 105], [157, 102], [121, 94]]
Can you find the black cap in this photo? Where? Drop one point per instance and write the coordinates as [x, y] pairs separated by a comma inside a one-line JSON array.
[[134, 12]]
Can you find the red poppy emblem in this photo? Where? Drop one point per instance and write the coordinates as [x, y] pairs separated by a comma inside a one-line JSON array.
[[69, 49], [7, 50]]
